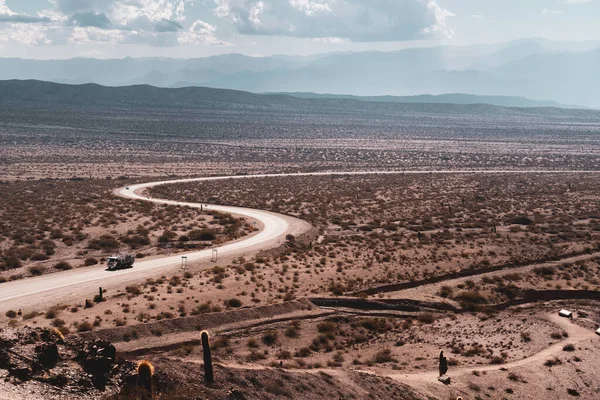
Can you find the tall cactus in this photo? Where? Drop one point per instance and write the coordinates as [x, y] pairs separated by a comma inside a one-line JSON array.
[[443, 364], [145, 381], [208, 368]]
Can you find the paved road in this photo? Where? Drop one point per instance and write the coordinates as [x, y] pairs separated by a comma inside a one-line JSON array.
[[77, 284], [47, 290]]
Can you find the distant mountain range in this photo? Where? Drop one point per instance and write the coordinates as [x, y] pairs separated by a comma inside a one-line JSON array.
[[566, 73], [19, 94], [453, 98]]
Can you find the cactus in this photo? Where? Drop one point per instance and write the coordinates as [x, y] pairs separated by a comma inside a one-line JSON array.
[[443, 364], [87, 303], [208, 368], [101, 293], [145, 372]]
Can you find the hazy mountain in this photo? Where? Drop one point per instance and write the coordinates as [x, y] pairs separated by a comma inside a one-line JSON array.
[[452, 98], [531, 68], [54, 96], [132, 70]]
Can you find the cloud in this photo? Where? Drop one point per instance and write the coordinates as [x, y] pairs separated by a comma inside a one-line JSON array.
[[25, 34], [147, 22], [166, 25], [547, 11], [7, 15], [90, 19], [578, 1], [356, 20], [201, 32]]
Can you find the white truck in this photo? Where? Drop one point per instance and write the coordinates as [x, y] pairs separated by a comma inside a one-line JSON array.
[[124, 261]]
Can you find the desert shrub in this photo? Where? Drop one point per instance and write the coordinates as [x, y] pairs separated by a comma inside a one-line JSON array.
[[510, 291], [201, 309], [10, 262], [374, 324], [90, 261], [39, 257], [269, 338], [303, 352], [557, 335], [11, 314], [325, 327], [514, 377], [30, 315], [63, 266], [202, 235], [36, 270], [445, 291], [135, 241], [383, 356], [469, 299], [233, 303], [544, 271], [84, 326], [292, 330], [104, 242], [568, 347], [167, 236], [134, 290], [426, 318], [552, 362], [57, 323]]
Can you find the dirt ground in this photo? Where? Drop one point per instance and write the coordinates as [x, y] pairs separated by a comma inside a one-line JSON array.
[[435, 261]]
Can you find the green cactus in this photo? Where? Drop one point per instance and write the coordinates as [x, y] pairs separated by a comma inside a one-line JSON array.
[[208, 368]]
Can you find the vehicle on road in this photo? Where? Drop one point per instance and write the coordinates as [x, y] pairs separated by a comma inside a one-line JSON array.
[[123, 261]]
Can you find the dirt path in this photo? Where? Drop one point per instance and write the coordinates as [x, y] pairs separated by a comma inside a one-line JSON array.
[[576, 335]]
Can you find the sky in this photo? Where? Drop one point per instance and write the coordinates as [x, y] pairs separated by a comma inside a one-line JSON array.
[[50, 29]]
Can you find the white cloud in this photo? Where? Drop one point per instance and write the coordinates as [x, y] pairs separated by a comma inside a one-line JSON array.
[[357, 20], [25, 34], [578, 1], [4, 10], [148, 22], [7, 15], [547, 11], [310, 7], [201, 32]]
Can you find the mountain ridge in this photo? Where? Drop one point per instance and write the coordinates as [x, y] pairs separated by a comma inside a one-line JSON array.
[[568, 71], [50, 95]]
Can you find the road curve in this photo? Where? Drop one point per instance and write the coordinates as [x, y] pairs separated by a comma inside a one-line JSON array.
[[58, 287], [47, 290]]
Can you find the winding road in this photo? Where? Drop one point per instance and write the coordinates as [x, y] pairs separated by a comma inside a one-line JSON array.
[[37, 293], [75, 285]]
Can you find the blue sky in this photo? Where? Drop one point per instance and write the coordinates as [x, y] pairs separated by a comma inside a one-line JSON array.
[[195, 28]]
